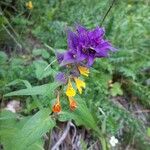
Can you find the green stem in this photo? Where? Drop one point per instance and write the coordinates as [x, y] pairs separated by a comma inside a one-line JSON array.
[[102, 139], [103, 142]]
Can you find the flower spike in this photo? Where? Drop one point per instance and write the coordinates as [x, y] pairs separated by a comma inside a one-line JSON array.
[[84, 46], [29, 5]]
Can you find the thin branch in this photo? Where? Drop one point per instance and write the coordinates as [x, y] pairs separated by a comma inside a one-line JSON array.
[[49, 48], [91, 146], [74, 135], [50, 64], [110, 7], [49, 145], [142, 111], [11, 36], [62, 137]]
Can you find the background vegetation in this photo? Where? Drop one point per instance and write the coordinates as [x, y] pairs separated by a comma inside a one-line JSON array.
[[116, 101]]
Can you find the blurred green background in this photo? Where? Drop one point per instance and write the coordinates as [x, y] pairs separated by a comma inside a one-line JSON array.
[[116, 100]]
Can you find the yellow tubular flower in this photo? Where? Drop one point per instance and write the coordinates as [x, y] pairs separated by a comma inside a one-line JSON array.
[[29, 5], [70, 92], [80, 84], [73, 103], [83, 70], [57, 107]]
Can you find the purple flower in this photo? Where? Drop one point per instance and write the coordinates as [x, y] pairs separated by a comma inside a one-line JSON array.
[[60, 57], [85, 45], [60, 77]]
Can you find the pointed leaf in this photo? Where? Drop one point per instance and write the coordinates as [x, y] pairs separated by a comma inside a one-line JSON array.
[[33, 130], [45, 89]]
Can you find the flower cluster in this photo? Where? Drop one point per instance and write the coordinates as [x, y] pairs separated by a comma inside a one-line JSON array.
[[29, 5], [113, 141], [84, 46]]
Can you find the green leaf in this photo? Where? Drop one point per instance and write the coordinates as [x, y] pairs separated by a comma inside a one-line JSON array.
[[42, 52], [148, 131], [27, 83], [40, 71], [8, 127], [2, 20], [81, 115], [45, 89], [33, 130], [4, 115], [24, 132], [116, 89], [37, 52], [127, 72], [39, 145], [3, 57], [17, 61], [45, 54]]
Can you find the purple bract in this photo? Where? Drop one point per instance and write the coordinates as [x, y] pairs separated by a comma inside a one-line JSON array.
[[84, 46], [60, 77]]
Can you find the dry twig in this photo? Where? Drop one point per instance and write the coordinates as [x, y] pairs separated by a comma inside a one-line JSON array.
[[66, 131]]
